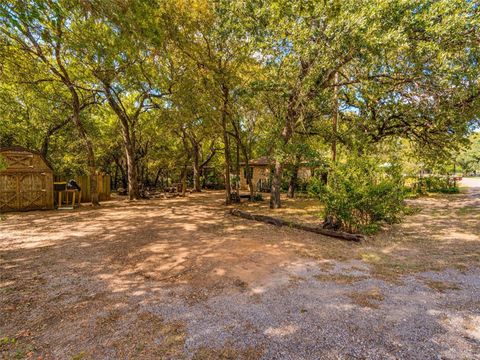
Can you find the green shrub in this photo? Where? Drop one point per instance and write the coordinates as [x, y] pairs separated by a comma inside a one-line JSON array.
[[436, 184], [360, 194]]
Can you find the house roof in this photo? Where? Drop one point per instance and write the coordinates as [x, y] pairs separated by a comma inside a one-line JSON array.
[[261, 161]]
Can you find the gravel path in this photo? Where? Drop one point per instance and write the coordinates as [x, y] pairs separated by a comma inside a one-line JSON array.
[[308, 319], [178, 278]]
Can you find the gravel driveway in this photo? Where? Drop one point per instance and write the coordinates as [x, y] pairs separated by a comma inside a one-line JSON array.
[[178, 278]]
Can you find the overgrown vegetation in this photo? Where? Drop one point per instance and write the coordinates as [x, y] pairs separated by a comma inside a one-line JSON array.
[[440, 184], [157, 93], [360, 194]]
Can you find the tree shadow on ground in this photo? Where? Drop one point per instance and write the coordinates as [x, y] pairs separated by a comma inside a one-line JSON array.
[[90, 282]]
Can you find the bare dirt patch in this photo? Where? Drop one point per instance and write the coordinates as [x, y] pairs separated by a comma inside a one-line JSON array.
[[179, 278]]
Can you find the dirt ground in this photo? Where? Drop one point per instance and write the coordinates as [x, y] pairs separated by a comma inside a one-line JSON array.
[[180, 278]]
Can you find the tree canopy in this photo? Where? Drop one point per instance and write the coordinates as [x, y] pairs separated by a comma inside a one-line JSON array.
[[152, 91]]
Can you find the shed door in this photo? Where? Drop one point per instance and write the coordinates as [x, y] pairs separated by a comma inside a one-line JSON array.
[[8, 192], [23, 191], [33, 191]]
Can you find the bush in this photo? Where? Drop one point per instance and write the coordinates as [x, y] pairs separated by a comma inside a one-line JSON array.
[[360, 194], [436, 184]]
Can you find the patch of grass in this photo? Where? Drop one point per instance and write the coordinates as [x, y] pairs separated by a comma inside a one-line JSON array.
[[369, 298], [79, 356], [173, 340], [441, 286], [343, 279], [5, 341], [467, 210], [411, 210], [13, 348], [148, 337], [441, 232], [302, 210]]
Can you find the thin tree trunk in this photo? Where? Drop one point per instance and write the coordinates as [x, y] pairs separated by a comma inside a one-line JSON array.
[[123, 176], [248, 174], [237, 166], [184, 180], [88, 145], [133, 189], [46, 142], [52, 130], [335, 120], [226, 143], [115, 178], [157, 176], [293, 181], [187, 159], [90, 158], [128, 143], [196, 166], [249, 179], [286, 135], [276, 185]]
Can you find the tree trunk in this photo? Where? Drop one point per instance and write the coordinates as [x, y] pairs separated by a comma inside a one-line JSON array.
[[249, 179], [46, 142], [237, 166], [276, 185], [184, 180], [52, 130], [133, 189], [91, 167], [226, 144], [248, 174], [157, 176], [197, 187], [123, 176], [128, 143], [90, 153], [293, 181], [335, 120], [287, 133], [115, 177]]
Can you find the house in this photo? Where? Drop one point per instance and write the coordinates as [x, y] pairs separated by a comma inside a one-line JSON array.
[[261, 170]]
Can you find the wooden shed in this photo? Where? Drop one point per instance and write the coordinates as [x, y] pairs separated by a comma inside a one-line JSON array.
[[26, 180]]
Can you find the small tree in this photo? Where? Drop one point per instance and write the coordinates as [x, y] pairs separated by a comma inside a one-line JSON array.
[[360, 194]]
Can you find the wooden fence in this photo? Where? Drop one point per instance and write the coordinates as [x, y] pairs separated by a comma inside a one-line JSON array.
[[103, 187]]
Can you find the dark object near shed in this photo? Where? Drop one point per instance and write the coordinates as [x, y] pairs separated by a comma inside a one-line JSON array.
[[72, 185]]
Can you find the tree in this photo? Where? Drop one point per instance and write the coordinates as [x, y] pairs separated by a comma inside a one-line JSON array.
[[469, 158], [371, 54], [38, 29]]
